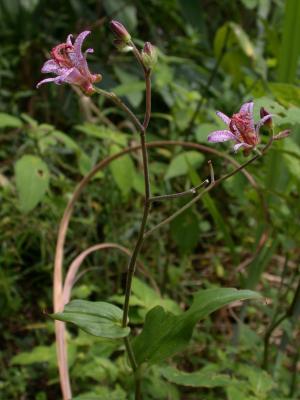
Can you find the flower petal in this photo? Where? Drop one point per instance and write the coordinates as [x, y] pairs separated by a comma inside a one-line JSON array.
[[89, 50], [223, 117], [238, 146], [262, 121], [247, 108], [69, 40], [221, 136], [51, 66], [78, 43], [62, 78], [47, 80]]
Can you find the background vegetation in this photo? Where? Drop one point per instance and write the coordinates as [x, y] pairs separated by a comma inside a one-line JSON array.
[[213, 55]]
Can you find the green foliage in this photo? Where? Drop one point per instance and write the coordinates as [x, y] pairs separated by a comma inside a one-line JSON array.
[[165, 334], [195, 379], [97, 318], [32, 180], [181, 164], [290, 47]]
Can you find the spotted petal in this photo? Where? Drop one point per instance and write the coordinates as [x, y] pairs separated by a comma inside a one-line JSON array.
[[238, 146], [51, 66], [221, 136], [65, 77], [262, 121], [247, 108], [223, 117], [78, 44]]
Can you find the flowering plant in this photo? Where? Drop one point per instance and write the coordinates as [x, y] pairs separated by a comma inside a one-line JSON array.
[[70, 65], [163, 333]]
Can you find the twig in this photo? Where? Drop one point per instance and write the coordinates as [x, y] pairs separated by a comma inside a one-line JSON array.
[[191, 191]]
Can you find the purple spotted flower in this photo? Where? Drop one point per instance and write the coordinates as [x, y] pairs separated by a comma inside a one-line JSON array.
[[70, 65], [241, 129]]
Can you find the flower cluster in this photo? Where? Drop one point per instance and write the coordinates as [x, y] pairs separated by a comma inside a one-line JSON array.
[[241, 128], [70, 65]]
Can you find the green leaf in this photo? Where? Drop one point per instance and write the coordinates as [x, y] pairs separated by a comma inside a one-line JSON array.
[[199, 378], [292, 157], [43, 354], [9, 121], [146, 298], [181, 163], [237, 36], [122, 170], [165, 334], [32, 180], [97, 318], [101, 132], [290, 44]]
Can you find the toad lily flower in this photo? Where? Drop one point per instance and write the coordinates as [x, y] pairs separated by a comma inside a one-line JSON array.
[[70, 65], [241, 128]]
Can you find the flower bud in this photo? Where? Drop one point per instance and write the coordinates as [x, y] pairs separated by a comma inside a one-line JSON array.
[[149, 55], [282, 134], [121, 45], [265, 113], [120, 31]]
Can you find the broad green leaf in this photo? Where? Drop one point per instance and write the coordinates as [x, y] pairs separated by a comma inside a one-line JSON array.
[[181, 163], [199, 378], [66, 140], [32, 180], [97, 318], [287, 94], [122, 170], [146, 298], [291, 156], [239, 393], [236, 35], [243, 40], [101, 132], [103, 393], [260, 381], [203, 130], [43, 354], [165, 334], [9, 121]]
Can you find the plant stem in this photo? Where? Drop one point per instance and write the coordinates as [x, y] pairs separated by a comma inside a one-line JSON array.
[[132, 262], [191, 191], [140, 239], [119, 103]]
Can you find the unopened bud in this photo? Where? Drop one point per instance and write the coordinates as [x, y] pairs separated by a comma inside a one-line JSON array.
[[122, 46], [264, 113], [120, 31], [282, 134], [149, 55]]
